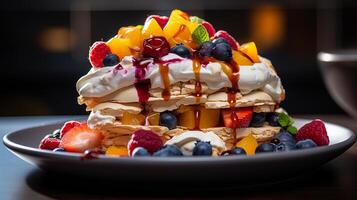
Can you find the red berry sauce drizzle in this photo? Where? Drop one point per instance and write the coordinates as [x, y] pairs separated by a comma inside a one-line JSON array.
[[141, 84]]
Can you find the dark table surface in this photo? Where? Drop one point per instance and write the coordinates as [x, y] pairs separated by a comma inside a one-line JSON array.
[[20, 180]]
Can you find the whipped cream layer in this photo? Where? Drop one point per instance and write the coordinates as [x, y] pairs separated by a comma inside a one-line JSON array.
[[100, 82]]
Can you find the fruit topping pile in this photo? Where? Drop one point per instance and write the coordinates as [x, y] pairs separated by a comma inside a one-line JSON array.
[[78, 137], [180, 34]]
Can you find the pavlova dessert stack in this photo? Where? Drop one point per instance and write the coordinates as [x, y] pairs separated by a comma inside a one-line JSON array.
[[176, 86]]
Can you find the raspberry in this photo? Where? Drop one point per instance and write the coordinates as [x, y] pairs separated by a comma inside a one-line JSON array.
[[97, 53], [68, 126], [316, 131], [146, 139], [49, 143]]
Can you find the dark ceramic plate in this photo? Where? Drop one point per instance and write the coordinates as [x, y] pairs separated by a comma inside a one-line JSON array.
[[256, 169]]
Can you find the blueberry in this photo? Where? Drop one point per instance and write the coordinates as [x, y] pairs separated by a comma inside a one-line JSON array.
[[168, 119], [258, 119], [238, 151], [206, 49], [110, 60], [58, 149], [272, 119], [168, 150], [56, 134], [266, 147], [220, 40], [285, 136], [181, 50], [222, 51], [202, 149], [140, 151], [285, 146], [305, 144]]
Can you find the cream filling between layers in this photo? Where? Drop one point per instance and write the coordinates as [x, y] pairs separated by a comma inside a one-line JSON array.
[[103, 81]]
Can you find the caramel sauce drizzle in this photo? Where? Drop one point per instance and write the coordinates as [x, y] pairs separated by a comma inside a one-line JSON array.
[[164, 71], [197, 114], [196, 65]]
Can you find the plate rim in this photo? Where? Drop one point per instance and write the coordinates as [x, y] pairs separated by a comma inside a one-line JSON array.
[[15, 147]]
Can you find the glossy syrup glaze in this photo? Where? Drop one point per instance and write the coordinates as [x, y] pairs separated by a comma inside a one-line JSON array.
[[141, 84]]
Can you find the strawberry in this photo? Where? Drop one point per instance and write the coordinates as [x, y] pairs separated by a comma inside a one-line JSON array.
[[232, 42], [81, 138], [316, 131], [242, 118], [146, 139], [49, 143], [210, 29], [97, 53], [68, 126], [161, 20]]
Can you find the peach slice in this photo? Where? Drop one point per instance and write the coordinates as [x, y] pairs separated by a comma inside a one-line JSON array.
[[241, 59], [250, 50], [209, 117]]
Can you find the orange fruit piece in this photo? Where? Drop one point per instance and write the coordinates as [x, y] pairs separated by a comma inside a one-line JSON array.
[[241, 59], [133, 33], [151, 28], [248, 143], [133, 119], [250, 50], [117, 151], [120, 46], [209, 117]]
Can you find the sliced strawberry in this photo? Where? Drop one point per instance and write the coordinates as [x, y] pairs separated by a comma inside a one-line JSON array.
[[68, 126], [237, 118], [223, 34], [210, 29], [161, 20], [81, 138]]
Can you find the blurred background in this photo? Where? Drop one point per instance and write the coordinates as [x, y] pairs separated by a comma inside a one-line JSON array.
[[45, 43]]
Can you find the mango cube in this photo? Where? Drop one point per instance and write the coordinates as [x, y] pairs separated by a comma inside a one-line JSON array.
[[133, 119], [249, 144], [209, 117], [151, 28], [133, 33], [117, 151], [119, 46]]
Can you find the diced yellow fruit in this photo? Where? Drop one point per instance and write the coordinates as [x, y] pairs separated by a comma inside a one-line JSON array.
[[249, 144], [117, 151], [185, 108], [133, 119], [133, 33], [179, 28], [187, 119], [151, 28], [209, 117], [119, 46], [154, 119], [240, 58], [250, 50]]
